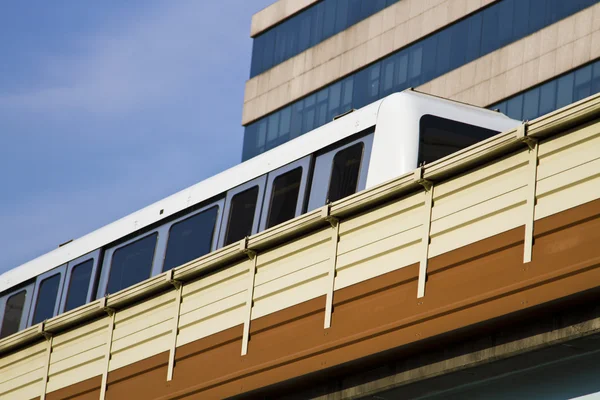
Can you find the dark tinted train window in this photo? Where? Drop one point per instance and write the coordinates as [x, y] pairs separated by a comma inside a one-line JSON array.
[[79, 285], [440, 137], [345, 172], [46, 299], [191, 238], [12, 314], [131, 264], [241, 215], [284, 197]]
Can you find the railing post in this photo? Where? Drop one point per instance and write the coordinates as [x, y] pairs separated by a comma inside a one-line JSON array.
[[335, 237], [49, 341], [177, 308], [253, 257], [531, 190], [111, 327], [428, 186]]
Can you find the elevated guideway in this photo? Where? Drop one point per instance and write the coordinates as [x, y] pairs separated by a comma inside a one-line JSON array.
[[413, 280]]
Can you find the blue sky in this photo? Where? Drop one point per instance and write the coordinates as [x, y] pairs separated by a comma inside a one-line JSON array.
[[108, 106]]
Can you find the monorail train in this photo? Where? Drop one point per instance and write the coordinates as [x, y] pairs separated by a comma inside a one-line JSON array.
[[353, 152]]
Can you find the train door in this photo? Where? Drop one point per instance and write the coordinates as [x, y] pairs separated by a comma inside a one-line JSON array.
[[285, 193], [46, 295], [340, 172], [241, 217], [80, 281], [14, 310]]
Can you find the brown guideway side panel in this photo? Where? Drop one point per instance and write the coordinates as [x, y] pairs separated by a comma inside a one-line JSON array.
[[467, 286]]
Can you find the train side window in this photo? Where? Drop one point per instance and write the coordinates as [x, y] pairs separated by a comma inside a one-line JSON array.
[[242, 211], [132, 263], [440, 137], [241, 215], [79, 282], [191, 238], [47, 297], [13, 313], [340, 172], [344, 172], [284, 197]]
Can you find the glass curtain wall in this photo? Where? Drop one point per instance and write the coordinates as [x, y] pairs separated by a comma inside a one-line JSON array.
[[477, 35], [552, 95], [309, 28]]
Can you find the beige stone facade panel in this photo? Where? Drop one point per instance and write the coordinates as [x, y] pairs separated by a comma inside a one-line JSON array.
[[525, 63], [367, 41], [275, 13]]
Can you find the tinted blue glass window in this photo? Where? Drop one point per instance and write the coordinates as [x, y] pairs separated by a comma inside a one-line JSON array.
[[46, 299], [13, 312], [79, 284], [131, 264], [191, 238], [531, 104], [476, 35], [308, 28], [554, 94]]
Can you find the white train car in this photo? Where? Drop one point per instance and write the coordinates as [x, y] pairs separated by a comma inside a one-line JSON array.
[[357, 151]]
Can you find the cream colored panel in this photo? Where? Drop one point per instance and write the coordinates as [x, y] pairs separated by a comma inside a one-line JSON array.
[[480, 186], [381, 214], [302, 285], [85, 365], [568, 189], [493, 218], [380, 241], [17, 363], [289, 249], [21, 373], [213, 304], [26, 386], [573, 138], [215, 323], [78, 354], [569, 171], [382, 262], [383, 223], [142, 331], [292, 273], [71, 343], [272, 272], [569, 157]]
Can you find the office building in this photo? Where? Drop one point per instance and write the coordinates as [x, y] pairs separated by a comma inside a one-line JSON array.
[[313, 60]]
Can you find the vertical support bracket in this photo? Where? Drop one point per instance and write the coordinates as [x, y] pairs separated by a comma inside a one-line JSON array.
[[335, 237], [532, 143], [428, 186], [49, 342], [111, 327], [253, 257], [178, 296]]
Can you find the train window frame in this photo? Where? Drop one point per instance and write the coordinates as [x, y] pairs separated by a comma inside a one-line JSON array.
[[159, 251], [323, 169], [305, 164], [220, 204], [95, 256], [38, 281], [261, 183], [26, 306]]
